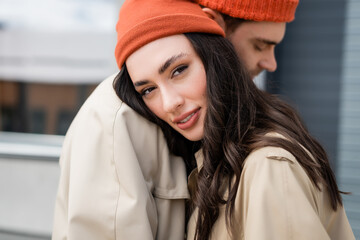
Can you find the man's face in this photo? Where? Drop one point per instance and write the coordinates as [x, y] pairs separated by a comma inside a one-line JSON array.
[[255, 42]]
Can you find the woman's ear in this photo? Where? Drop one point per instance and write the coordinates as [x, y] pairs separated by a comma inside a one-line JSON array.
[[216, 16]]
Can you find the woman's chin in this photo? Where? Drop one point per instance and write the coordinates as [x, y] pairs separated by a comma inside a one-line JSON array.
[[193, 136]]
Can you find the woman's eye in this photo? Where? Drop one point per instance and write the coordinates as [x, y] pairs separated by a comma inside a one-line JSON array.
[[179, 70], [146, 91]]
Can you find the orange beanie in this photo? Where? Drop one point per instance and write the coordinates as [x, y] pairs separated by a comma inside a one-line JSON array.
[[143, 21], [255, 10]]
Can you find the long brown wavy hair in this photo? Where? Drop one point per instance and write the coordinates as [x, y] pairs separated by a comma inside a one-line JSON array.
[[238, 117]]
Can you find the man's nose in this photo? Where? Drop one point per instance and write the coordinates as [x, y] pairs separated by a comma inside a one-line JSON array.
[[268, 62]]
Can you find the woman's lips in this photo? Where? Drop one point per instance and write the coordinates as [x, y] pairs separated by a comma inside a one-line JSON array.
[[189, 121]]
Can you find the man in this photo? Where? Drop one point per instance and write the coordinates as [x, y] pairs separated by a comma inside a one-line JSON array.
[[254, 27], [118, 179]]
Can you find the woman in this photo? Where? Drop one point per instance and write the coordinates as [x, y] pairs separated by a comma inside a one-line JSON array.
[[260, 175]]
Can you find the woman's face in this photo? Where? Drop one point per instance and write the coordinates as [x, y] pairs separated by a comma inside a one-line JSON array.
[[172, 81]]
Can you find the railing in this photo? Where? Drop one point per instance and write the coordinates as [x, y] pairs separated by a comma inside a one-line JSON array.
[[29, 175]]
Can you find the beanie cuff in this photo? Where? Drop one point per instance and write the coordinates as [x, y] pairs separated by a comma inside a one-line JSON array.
[[159, 27], [262, 10]]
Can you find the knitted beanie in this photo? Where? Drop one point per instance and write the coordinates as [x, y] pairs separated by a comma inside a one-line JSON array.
[[255, 10], [143, 21]]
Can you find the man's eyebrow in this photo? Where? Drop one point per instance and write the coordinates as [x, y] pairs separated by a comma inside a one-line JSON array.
[[267, 41], [171, 60]]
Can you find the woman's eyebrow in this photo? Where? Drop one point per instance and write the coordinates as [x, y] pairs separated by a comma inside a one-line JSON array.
[[171, 60], [140, 83], [162, 69]]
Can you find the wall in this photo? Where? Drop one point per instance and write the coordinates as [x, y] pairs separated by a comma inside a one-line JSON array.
[[349, 127]]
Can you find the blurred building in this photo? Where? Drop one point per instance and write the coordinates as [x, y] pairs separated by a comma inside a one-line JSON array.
[[53, 53], [51, 60]]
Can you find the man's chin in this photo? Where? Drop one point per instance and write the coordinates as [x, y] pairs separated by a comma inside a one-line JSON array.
[[255, 74]]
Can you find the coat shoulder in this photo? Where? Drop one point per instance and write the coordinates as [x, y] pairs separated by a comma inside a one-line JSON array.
[[260, 155]]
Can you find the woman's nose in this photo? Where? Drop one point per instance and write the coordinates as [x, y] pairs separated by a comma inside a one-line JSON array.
[[172, 99]]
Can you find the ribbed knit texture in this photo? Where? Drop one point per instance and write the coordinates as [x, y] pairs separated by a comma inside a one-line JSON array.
[[255, 10], [143, 21]]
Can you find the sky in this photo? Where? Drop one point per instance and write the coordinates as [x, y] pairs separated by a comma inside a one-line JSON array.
[[59, 15], [57, 40]]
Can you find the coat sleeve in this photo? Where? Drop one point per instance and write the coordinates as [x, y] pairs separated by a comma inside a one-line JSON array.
[[153, 183], [277, 200], [102, 194], [115, 167]]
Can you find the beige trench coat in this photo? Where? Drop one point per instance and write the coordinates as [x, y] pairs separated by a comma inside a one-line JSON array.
[[277, 201], [118, 180]]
